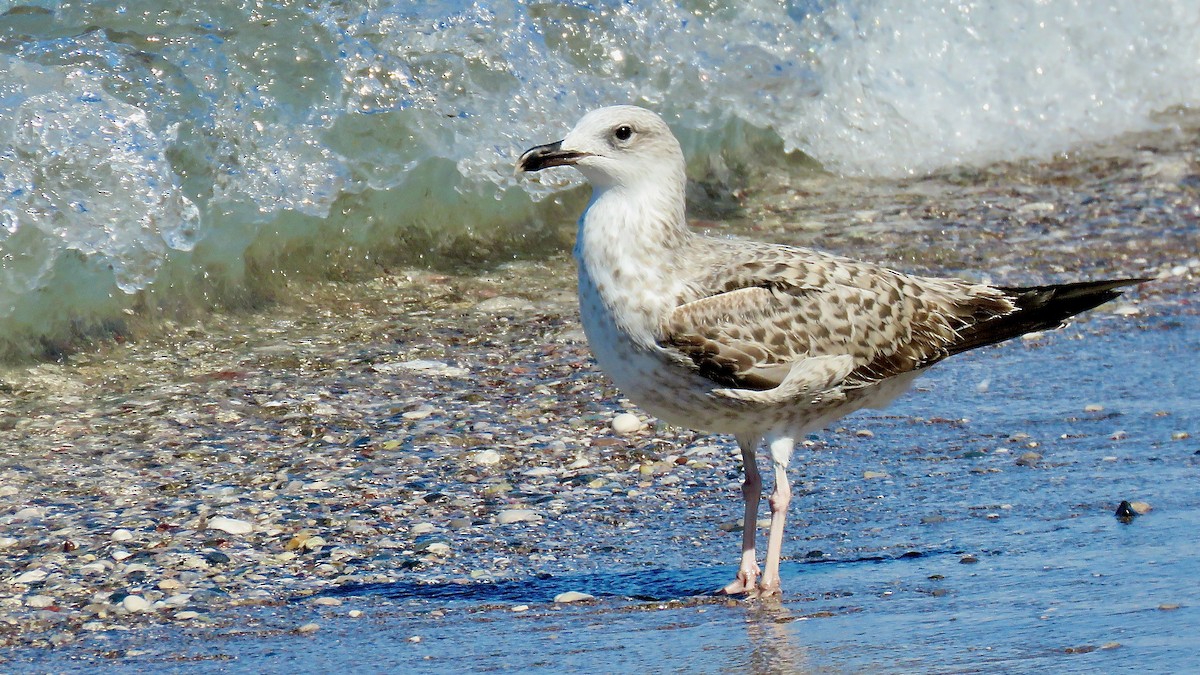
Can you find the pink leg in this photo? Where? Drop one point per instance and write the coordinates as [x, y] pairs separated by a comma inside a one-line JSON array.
[[781, 454], [751, 493]]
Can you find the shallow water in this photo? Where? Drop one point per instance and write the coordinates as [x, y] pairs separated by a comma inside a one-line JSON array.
[[358, 411], [877, 577]]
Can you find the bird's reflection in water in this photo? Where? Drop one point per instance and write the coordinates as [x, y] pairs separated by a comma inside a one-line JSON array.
[[774, 647]]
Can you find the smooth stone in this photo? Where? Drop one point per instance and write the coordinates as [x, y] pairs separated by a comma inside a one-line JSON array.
[[308, 628], [573, 596], [5, 542], [486, 458], [135, 603], [1028, 459], [186, 615], [509, 516], [869, 475], [626, 423], [230, 525], [121, 535], [30, 577], [327, 602], [39, 601], [423, 366]]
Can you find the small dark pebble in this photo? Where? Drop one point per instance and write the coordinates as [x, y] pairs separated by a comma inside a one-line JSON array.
[[968, 559], [436, 498], [216, 558], [815, 553], [1082, 649], [911, 554], [1125, 512]]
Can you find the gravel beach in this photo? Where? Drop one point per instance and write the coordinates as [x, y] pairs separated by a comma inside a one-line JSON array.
[[440, 429]]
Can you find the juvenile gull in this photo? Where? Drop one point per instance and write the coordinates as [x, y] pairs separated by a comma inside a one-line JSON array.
[[758, 340]]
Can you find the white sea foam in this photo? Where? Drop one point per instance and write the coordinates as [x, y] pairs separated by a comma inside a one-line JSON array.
[[141, 142]]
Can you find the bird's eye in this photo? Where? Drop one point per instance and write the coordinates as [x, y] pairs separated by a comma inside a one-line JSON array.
[[623, 132]]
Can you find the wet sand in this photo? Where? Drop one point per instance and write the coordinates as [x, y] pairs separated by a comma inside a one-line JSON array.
[[434, 451]]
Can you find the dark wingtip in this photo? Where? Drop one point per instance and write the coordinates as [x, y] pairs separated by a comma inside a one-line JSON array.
[[1041, 308]]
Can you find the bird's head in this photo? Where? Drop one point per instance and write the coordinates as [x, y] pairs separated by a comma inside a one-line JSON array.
[[619, 146]]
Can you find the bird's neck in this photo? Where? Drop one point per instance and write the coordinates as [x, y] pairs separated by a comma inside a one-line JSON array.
[[627, 246], [630, 232]]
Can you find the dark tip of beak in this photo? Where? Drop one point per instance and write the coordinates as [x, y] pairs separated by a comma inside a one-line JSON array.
[[545, 156]]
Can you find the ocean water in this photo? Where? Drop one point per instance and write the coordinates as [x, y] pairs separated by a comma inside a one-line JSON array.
[[158, 157]]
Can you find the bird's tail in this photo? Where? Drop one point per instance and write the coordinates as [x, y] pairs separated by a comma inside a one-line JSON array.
[[1040, 308]]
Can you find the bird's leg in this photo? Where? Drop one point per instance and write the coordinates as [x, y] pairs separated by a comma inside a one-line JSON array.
[[751, 493], [781, 454]]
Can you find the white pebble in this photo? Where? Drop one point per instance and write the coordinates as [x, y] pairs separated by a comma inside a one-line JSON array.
[[39, 601], [983, 386], [520, 608], [486, 457], [230, 525], [415, 638], [1093, 407], [626, 423], [327, 602], [5, 542], [121, 535], [573, 596], [508, 516], [308, 628], [186, 615], [30, 577], [355, 613], [135, 603], [422, 528]]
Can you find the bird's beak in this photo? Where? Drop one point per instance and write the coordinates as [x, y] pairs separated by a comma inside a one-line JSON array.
[[545, 156]]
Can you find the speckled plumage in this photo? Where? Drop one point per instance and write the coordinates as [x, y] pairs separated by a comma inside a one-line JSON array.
[[754, 339]]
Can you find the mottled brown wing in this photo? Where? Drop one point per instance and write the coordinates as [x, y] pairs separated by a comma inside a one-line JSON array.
[[890, 323]]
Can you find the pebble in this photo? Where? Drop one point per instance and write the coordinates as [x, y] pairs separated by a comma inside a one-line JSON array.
[[30, 577], [870, 475], [486, 458], [422, 366], [308, 628], [573, 596], [509, 516], [39, 601], [121, 535], [503, 304], [1093, 407], [520, 608], [230, 525], [1029, 459], [415, 638], [354, 613], [186, 615], [5, 542], [327, 602], [626, 423], [135, 603]]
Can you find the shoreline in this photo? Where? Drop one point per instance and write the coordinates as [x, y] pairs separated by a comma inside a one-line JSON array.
[[429, 428]]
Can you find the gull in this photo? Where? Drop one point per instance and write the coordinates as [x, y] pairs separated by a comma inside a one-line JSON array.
[[762, 341]]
